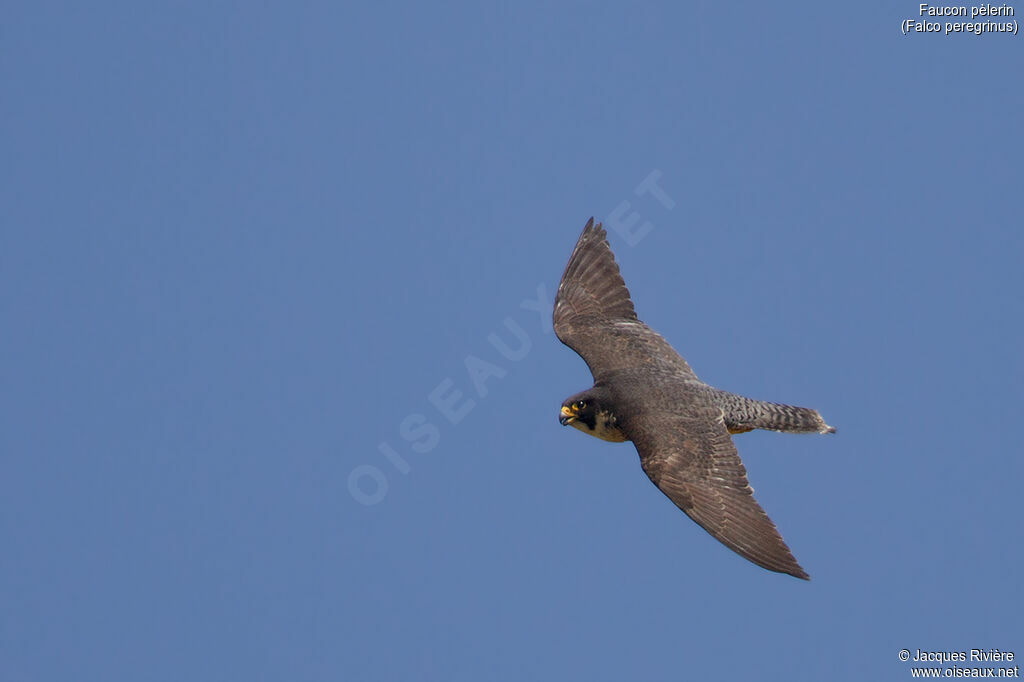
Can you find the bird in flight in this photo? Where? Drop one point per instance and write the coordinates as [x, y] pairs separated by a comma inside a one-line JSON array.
[[645, 392]]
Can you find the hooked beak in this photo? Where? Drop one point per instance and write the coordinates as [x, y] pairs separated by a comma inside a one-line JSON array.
[[567, 416]]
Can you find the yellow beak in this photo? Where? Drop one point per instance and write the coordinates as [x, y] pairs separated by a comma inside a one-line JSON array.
[[567, 416]]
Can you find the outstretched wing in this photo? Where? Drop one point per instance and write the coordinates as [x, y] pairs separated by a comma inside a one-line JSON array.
[[690, 456], [595, 317]]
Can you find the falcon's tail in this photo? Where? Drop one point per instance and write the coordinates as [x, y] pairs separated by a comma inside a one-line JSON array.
[[745, 414]]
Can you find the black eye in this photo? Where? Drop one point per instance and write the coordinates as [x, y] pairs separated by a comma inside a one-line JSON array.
[[580, 404]]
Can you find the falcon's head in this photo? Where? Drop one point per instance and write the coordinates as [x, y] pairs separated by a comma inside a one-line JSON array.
[[590, 412]]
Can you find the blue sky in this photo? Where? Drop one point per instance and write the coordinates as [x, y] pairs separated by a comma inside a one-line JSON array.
[[243, 245]]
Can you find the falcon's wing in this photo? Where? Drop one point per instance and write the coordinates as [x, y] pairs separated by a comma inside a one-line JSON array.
[[690, 456], [595, 317]]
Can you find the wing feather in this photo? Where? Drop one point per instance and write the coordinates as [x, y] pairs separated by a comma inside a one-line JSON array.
[[692, 459], [594, 314]]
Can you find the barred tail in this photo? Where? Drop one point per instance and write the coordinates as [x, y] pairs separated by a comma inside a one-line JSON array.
[[745, 414]]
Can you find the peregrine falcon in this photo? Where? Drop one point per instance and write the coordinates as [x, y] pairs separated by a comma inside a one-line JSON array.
[[645, 392]]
